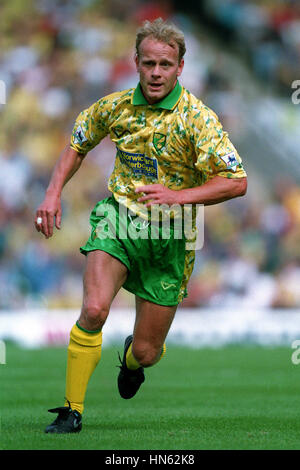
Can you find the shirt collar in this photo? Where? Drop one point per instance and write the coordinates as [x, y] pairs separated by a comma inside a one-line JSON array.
[[168, 102]]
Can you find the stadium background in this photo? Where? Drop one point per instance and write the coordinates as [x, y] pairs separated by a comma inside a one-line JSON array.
[[57, 57]]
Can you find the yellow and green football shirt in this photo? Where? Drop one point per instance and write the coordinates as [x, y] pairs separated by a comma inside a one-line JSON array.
[[178, 142]]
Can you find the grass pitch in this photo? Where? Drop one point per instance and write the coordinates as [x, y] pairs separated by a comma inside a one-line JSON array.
[[236, 397]]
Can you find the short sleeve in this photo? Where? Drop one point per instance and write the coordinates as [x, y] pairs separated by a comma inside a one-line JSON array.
[[91, 126], [215, 153]]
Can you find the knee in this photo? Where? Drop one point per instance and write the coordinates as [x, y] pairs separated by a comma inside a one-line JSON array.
[[93, 315], [146, 355]]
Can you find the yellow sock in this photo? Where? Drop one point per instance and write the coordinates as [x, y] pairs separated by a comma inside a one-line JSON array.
[[133, 364], [131, 361], [84, 352]]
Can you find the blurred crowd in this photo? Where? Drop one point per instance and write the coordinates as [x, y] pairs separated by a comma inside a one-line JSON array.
[[269, 30], [57, 57], [251, 254]]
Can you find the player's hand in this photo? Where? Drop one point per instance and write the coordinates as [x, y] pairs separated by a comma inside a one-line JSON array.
[[157, 194], [49, 210]]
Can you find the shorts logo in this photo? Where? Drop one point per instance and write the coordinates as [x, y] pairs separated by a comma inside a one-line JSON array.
[[166, 285], [159, 141]]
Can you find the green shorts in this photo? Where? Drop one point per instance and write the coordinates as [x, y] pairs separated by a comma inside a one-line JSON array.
[[156, 266]]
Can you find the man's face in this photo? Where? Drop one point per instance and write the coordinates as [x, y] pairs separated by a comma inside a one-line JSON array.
[[158, 67]]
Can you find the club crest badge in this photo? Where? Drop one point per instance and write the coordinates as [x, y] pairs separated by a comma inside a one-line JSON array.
[[159, 141]]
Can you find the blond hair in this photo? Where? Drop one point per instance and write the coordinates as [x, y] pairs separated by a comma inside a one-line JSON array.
[[161, 31]]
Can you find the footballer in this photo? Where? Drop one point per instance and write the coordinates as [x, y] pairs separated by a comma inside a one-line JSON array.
[[171, 150]]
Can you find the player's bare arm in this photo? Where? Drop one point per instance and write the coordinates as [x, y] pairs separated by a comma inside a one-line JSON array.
[[218, 189], [50, 209]]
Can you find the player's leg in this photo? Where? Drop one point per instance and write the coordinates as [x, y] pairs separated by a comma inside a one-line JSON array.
[[146, 346], [151, 327], [104, 275]]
